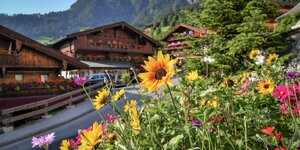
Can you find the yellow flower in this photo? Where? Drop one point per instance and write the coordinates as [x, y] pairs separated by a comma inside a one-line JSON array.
[[126, 107], [192, 76], [178, 70], [89, 139], [159, 72], [266, 87], [214, 104], [271, 58], [203, 102], [118, 95], [245, 77], [65, 145], [101, 99], [253, 53]]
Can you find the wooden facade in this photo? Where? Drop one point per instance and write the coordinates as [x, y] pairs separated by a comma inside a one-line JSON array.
[[175, 42], [113, 47], [24, 60]]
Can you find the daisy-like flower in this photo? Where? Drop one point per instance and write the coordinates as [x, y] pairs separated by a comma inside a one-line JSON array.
[[65, 145], [192, 76], [271, 58], [282, 92], [90, 139], [118, 95], [266, 87], [159, 72], [81, 80], [101, 99], [43, 141], [253, 53]]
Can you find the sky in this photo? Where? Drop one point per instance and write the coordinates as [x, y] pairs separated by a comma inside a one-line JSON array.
[[33, 6]]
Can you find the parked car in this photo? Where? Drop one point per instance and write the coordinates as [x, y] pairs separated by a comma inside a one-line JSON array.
[[97, 78], [117, 81]]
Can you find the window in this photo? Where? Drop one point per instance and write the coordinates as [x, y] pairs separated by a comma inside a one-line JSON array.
[[19, 77], [44, 78]]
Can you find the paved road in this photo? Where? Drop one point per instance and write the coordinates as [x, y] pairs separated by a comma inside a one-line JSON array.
[[70, 129]]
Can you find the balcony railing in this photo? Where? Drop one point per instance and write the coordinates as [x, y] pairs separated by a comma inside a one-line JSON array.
[[114, 48], [9, 59]]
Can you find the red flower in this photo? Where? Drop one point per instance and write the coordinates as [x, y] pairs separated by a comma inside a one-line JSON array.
[[268, 130], [279, 137], [280, 148]]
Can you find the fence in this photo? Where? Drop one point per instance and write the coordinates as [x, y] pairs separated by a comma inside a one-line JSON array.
[[11, 115]]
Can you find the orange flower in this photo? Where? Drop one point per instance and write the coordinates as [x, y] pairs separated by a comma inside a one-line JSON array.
[[159, 72]]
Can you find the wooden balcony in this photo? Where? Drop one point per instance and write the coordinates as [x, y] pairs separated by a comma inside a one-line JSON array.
[[108, 48], [9, 59]]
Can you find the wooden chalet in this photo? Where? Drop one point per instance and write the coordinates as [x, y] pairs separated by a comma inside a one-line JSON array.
[[175, 42], [116, 47], [25, 60]]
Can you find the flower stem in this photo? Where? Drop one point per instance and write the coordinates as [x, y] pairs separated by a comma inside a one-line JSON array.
[[90, 99], [174, 106]]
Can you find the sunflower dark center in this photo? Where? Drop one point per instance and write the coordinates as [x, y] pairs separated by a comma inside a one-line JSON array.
[[266, 86], [160, 73]]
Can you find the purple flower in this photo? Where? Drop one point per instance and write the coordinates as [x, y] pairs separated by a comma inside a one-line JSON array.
[[212, 130], [44, 140], [196, 123], [292, 75], [49, 138], [81, 80], [37, 142]]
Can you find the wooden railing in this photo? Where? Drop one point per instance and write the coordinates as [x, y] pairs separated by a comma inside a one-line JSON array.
[[11, 115], [107, 48], [8, 59]]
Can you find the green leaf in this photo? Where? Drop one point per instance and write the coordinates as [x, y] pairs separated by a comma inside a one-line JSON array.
[[174, 141]]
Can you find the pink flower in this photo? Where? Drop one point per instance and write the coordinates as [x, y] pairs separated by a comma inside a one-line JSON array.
[[111, 118], [81, 80], [282, 93], [218, 119], [37, 142], [245, 86], [284, 108], [44, 140]]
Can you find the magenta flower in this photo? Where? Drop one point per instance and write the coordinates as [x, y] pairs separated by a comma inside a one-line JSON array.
[[284, 108], [212, 130], [245, 86], [81, 80], [196, 123], [218, 119], [111, 118], [282, 93]]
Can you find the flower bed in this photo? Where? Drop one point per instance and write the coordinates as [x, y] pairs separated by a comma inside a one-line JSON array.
[[257, 109]]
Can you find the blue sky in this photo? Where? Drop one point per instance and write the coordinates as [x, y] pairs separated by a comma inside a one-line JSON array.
[[33, 6]]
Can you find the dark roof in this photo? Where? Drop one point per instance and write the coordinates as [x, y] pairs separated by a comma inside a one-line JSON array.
[[180, 26], [75, 64], [74, 35], [295, 9]]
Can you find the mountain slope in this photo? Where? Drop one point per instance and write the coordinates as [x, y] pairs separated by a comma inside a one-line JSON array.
[[91, 13]]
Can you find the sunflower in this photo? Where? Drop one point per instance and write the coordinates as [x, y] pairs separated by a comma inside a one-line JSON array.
[[253, 53], [90, 139], [101, 99], [118, 95], [266, 87], [271, 58], [65, 145], [192, 76], [159, 72]]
